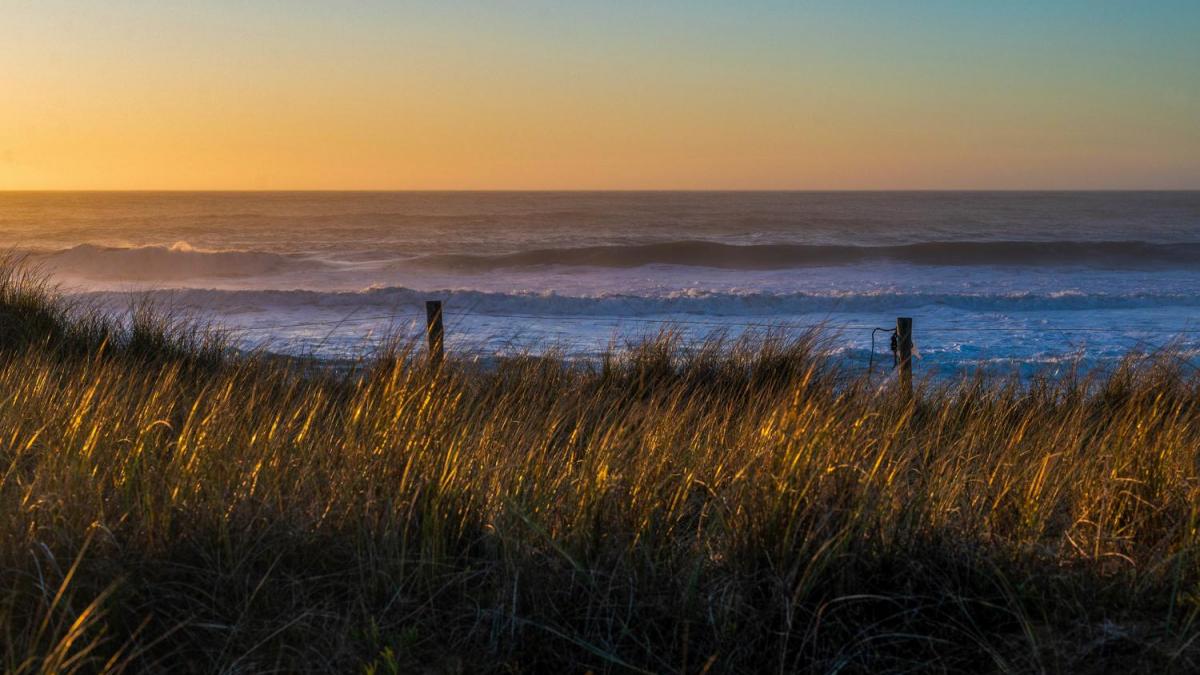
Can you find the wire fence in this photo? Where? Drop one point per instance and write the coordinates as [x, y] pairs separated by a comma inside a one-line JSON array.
[[476, 340], [350, 319]]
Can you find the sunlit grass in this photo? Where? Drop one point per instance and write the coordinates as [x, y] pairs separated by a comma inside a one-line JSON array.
[[743, 506]]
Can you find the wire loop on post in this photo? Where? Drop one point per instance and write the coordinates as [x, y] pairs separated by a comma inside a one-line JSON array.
[[871, 360]]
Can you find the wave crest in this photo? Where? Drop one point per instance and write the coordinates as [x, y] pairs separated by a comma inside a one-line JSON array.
[[1118, 254], [177, 262], [382, 301]]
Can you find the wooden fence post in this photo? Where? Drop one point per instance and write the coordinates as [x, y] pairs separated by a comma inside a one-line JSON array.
[[433, 329], [905, 343]]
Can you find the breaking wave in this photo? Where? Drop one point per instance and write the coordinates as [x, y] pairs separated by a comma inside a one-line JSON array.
[[399, 300], [167, 263], [1114, 254]]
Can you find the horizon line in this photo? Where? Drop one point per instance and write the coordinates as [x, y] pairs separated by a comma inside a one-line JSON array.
[[578, 190]]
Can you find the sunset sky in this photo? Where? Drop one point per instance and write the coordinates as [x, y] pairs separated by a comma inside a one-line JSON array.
[[598, 95]]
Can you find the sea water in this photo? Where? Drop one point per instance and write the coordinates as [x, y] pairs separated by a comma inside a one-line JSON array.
[[1020, 281]]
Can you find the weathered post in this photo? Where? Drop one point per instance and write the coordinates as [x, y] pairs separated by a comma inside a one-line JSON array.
[[433, 329], [905, 343]]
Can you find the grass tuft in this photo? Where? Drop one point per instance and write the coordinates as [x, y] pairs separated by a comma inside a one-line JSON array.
[[742, 506]]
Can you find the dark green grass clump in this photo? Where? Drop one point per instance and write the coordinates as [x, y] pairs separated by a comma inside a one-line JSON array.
[[33, 315], [169, 506]]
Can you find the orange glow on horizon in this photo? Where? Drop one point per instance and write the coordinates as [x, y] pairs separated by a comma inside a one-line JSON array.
[[131, 98]]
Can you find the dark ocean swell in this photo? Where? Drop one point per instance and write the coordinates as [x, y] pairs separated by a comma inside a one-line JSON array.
[[1102, 254]]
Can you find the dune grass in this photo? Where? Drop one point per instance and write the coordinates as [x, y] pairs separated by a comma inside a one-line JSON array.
[[167, 505]]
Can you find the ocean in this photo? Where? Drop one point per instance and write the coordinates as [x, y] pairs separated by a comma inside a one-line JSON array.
[[1028, 282]]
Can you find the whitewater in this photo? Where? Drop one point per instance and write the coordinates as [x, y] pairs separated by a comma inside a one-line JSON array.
[[1019, 281]]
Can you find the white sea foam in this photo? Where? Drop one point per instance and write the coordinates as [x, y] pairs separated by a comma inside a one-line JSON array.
[[1022, 278], [692, 302]]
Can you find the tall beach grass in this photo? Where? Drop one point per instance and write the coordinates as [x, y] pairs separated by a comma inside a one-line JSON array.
[[169, 505]]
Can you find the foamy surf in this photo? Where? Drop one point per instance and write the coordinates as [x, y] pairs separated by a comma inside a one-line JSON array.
[[1027, 332], [694, 304], [1029, 280]]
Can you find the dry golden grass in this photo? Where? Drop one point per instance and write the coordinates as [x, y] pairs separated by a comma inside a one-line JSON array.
[[743, 507]]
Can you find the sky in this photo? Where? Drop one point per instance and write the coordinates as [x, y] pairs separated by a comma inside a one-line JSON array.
[[599, 94]]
